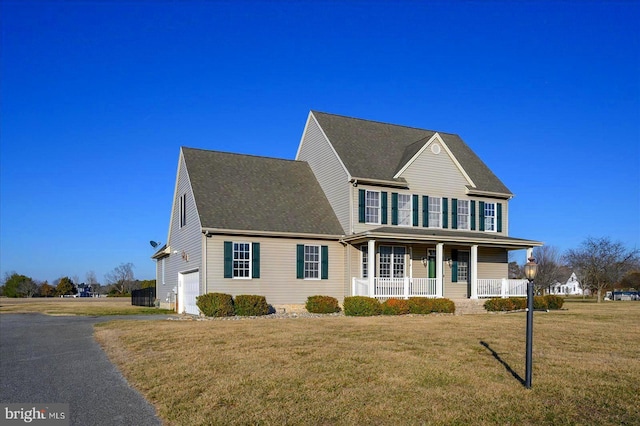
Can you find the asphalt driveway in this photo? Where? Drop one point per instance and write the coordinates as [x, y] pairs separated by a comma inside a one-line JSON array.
[[54, 359]]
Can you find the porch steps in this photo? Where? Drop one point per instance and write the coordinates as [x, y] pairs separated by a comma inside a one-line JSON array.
[[469, 306]]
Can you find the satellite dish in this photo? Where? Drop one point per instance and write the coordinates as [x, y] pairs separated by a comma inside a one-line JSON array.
[[154, 244]]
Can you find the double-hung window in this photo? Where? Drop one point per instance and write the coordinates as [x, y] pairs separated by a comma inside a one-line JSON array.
[[311, 262], [435, 212], [372, 207], [241, 260], [463, 214], [490, 216], [404, 209]]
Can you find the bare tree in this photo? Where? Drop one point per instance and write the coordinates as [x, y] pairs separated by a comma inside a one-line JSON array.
[[600, 263], [28, 287], [550, 270], [92, 282], [121, 278]]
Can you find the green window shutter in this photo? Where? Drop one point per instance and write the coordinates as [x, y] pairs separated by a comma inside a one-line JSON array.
[[454, 266], [361, 201], [228, 259], [454, 213], [383, 208], [481, 211], [255, 260], [394, 208], [415, 210], [324, 262], [300, 261], [499, 217], [473, 215], [425, 211], [445, 212]]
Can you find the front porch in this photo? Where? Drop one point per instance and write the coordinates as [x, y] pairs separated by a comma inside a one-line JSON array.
[[403, 288]]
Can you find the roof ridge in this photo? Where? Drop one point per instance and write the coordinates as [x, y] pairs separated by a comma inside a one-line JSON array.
[[237, 154], [385, 123]]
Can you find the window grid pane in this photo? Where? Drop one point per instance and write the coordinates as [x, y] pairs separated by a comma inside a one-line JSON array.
[[385, 262], [489, 216], [311, 261], [241, 260], [372, 210], [404, 209], [365, 261], [435, 212], [463, 214]]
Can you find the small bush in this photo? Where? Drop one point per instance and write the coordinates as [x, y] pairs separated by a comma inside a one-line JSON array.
[[361, 306], [250, 305], [499, 305], [395, 307], [322, 304], [444, 306], [215, 304], [554, 302], [423, 305], [519, 303], [539, 302]]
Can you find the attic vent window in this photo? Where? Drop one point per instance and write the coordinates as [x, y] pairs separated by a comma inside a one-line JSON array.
[[435, 148]]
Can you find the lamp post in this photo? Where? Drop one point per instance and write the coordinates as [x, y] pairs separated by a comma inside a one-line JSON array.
[[530, 270]]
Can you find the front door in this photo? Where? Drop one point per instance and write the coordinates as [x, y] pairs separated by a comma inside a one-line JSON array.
[[463, 271], [431, 265]]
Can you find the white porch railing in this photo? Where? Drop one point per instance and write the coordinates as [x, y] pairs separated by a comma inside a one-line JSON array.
[[401, 288], [502, 288]]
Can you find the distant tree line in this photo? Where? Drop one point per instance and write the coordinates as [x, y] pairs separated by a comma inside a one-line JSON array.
[[118, 282], [599, 264]]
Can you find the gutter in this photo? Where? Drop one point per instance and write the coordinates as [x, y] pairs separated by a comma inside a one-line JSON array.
[[220, 231]]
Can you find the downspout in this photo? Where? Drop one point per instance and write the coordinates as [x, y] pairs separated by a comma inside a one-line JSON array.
[[204, 262]]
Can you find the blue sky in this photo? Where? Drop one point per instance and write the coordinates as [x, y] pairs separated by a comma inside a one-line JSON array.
[[97, 97]]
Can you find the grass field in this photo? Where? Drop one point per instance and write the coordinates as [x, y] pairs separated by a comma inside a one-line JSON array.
[[75, 306], [387, 370]]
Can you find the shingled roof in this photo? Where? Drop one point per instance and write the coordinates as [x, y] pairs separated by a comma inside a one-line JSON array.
[[374, 150], [251, 193]]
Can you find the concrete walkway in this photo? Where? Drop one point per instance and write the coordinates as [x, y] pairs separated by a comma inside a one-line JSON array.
[[54, 359]]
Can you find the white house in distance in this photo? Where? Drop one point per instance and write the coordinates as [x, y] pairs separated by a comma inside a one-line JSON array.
[[570, 288], [366, 208]]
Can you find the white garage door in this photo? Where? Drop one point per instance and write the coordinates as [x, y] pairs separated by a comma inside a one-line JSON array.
[[188, 290]]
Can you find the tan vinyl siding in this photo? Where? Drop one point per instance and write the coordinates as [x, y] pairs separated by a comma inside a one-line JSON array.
[[492, 263], [186, 239], [316, 150], [277, 282], [436, 175]]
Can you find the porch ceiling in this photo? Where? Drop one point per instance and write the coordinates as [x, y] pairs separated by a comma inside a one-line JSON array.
[[431, 235]]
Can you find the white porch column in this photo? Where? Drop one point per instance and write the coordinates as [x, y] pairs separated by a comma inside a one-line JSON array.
[[439, 277], [529, 253], [371, 265], [474, 272]]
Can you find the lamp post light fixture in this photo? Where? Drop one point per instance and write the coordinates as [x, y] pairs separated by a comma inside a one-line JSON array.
[[530, 270]]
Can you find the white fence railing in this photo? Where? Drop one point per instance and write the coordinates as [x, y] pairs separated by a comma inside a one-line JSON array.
[[502, 287], [403, 288], [396, 287]]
